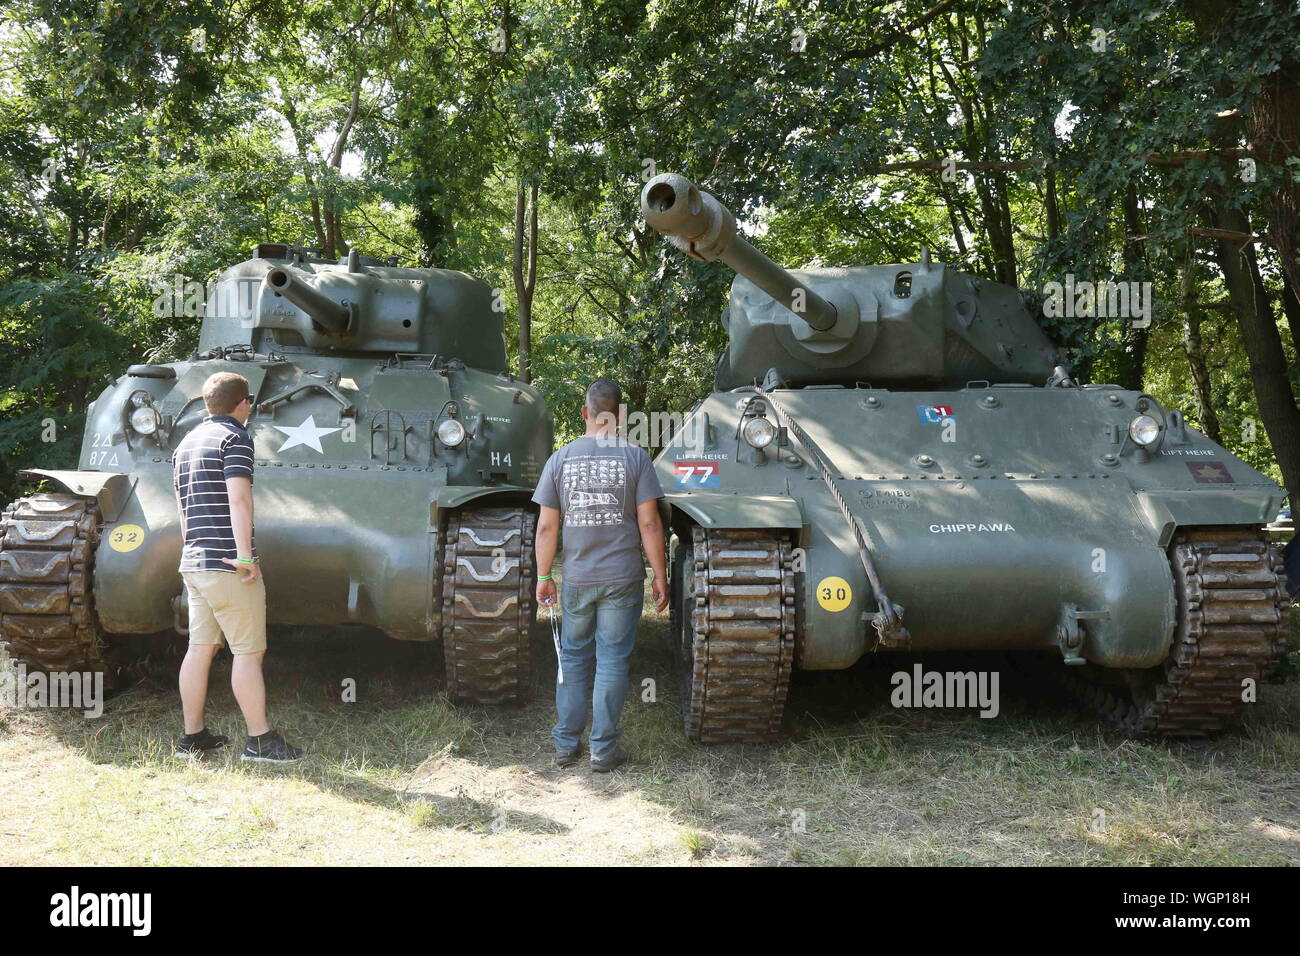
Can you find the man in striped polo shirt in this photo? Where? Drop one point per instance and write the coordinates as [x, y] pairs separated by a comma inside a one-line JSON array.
[[213, 478]]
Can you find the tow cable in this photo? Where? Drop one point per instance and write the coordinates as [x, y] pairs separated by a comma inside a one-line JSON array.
[[888, 620]]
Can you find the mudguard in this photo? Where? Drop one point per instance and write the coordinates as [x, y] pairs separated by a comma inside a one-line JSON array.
[[452, 497], [712, 510], [1171, 509], [111, 489]]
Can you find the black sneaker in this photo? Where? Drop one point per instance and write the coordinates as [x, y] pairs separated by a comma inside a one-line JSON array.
[[606, 764], [270, 748], [196, 746], [567, 758]]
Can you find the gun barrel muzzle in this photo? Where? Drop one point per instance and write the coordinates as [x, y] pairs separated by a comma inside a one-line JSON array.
[[325, 312], [702, 227]]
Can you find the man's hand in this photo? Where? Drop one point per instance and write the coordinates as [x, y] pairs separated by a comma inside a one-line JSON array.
[[251, 572], [652, 540], [545, 541], [659, 587], [545, 593]]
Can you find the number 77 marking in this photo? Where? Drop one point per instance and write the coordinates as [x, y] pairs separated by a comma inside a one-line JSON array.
[[706, 471]]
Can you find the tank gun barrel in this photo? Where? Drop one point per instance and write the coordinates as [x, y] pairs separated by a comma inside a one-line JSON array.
[[702, 227], [325, 312]]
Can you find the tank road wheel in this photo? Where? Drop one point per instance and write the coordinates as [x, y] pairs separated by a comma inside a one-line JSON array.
[[489, 581], [1230, 627], [47, 555], [734, 633]]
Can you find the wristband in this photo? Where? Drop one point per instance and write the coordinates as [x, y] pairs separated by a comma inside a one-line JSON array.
[[543, 577], [246, 560]]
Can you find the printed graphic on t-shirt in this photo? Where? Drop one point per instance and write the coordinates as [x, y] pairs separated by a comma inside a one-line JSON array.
[[595, 489]]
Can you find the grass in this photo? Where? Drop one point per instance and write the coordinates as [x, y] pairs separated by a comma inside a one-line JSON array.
[[403, 777]]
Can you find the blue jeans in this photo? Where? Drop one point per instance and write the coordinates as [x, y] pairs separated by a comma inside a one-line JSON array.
[[599, 629]]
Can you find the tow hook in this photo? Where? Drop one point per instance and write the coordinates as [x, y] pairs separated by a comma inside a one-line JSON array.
[[1070, 631]]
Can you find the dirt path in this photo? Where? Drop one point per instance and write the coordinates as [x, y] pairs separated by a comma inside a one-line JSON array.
[[401, 777]]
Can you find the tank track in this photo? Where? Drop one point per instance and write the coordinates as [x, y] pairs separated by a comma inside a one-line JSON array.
[[734, 633], [489, 580], [47, 615], [1230, 626]]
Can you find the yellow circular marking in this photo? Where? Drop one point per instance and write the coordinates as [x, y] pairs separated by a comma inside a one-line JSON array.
[[834, 594], [126, 537]]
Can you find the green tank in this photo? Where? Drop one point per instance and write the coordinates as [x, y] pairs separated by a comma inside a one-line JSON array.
[[894, 457], [395, 458]]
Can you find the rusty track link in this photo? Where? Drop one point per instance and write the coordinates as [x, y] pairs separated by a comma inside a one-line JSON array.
[[1231, 614], [734, 633], [488, 591], [47, 554]]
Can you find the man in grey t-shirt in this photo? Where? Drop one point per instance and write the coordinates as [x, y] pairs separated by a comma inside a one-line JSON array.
[[605, 492]]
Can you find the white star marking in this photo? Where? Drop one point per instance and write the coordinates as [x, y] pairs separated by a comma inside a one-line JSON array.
[[308, 433]]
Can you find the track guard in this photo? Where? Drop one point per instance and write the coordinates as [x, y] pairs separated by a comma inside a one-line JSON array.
[[110, 489], [731, 511]]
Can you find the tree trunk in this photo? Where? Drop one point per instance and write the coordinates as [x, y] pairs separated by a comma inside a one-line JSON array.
[[1052, 204], [1274, 130], [432, 220], [1291, 306], [335, 244], [1261, 341], [1134, 359], [1258, 326], [1194, 349], [525, 270], [290, 113]]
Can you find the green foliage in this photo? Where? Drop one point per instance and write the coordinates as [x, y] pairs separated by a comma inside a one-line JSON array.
[[146, 141], [55, 353]]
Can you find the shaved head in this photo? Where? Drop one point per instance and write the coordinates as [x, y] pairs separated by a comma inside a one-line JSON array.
[[603, 396]]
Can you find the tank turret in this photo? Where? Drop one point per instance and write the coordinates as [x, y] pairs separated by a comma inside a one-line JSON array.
[[286, 300], [915, 324]]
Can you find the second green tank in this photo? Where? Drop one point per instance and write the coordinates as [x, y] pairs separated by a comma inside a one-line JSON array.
[[894, 457]]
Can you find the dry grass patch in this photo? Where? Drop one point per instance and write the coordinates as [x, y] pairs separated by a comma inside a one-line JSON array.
[[403, 777]]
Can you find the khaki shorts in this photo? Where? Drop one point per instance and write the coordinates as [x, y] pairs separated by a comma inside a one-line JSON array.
[[221, 604]]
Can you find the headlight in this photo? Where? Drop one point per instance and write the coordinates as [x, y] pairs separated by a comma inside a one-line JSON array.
[[1144, 430], [144, 420], [451, 432], [141, 398], [759, 432]]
